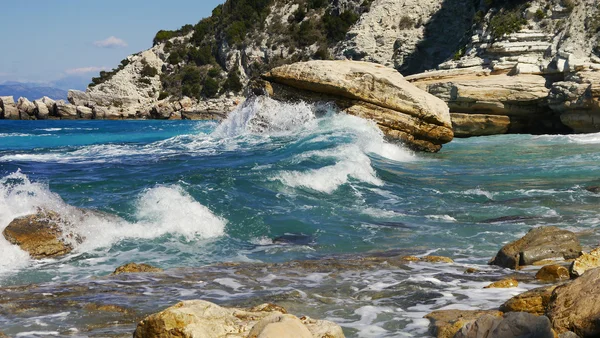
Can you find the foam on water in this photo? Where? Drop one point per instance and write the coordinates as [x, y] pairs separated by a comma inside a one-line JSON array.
[[158, 211]]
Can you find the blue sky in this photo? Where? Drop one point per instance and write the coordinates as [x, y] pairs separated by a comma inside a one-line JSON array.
[[45, 40]]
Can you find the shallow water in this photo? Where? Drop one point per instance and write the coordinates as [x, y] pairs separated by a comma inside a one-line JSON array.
[[188, 194]]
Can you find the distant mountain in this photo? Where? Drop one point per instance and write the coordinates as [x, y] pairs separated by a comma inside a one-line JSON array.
[[31, 91]]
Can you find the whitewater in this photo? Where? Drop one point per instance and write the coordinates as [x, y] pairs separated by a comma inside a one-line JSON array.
[[274, 184]]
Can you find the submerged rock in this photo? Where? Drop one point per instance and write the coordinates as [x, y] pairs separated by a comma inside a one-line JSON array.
[[551, 273], [437, 259], [505, 283], [593, 189], [538, 244], [511, 325], [446, 323], [575, 307], [135, 268], [401, 110], [533, 301], [296, 239], [41, 234], [198, 318]]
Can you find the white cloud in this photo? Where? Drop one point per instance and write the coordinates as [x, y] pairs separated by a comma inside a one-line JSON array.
[[84, 70], [111, 42]]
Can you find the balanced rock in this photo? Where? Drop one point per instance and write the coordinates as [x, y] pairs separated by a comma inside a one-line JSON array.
[[401, 110], [41, 234], [575, 307], [533, 301], [511, 325], [551, 273], [202, 319], [135, 268], [585, 262], [538, 244], [446, 323]]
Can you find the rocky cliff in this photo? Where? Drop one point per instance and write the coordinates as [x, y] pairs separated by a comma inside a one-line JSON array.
[[500, 65]]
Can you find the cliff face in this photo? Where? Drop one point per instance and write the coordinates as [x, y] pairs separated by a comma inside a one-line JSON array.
[[485, 55]]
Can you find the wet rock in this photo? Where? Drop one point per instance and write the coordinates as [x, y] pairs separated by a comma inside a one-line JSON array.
[[574, 306], [402, 111], [410, 258], [471, 270], [511, 325], [446, 323], [41, 234], [551, 273], [568, 334], [538, 244], [296, 239], [533, 301], [135, 268], [198, 318], [505, 283], [508, 219], [585, 262], [594, 189], [437, 259]]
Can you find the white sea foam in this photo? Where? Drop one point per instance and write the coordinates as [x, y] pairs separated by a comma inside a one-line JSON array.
[[158, 211], [578, 138]]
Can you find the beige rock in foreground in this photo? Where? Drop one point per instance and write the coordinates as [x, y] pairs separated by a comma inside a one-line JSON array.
[[533, 301], [467, 125], [202, 319], [368, 90], [446, 323]]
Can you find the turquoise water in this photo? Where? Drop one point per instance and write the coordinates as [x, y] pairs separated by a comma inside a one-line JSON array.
[[192, 193]]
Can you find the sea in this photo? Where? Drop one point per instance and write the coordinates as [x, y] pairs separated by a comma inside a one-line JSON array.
[[282, 203]]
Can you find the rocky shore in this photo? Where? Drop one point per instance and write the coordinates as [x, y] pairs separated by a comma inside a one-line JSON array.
[[564, 304]]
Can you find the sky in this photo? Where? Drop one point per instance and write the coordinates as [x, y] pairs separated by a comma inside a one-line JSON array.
[[45, 41]]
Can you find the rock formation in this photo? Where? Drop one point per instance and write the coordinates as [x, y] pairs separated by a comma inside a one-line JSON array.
[[402, 111], [41, 235], [538, 244], [135, 268], [197, 318]]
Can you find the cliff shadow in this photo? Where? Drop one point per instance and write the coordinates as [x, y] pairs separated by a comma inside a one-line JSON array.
[[445, 33]]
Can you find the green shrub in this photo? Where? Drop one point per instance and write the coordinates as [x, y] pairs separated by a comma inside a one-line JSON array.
[[540, 14], [322, 54], [210, 87], [145, 80], [405, 22], [569, 5], [233, 82], [162, 35], [214, 72], [163, 95], [336, 27], [505, 23], [236, 32], [149, 71]]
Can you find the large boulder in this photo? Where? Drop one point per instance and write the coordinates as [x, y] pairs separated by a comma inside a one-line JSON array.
[[585, 262], [26, 108], [511, 325], [202, 319], [65, 110], [50, 104], [538, 244], [164, 110], [446, 323], [533, 301], [41, 235], [9, 108], [84, 112], [41, 110], [402, 111], [575, 307]]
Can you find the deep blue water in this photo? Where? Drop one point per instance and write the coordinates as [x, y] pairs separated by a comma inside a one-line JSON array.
[[191, 193]]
